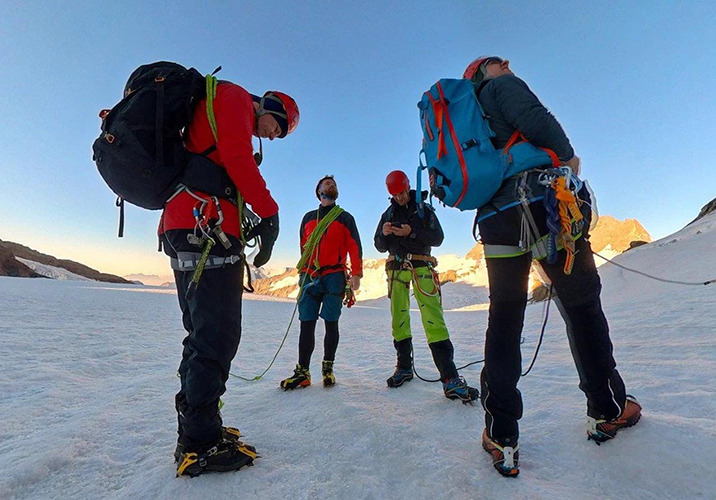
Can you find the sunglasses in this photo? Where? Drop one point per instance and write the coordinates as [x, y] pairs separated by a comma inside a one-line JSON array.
[[483, 66], [491, 60]]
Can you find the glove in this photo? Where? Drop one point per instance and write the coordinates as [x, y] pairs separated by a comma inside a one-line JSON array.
[[355, 283], [575, 163], [267, 231]]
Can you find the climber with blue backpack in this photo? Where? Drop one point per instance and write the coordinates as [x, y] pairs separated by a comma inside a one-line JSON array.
[[490, 145]]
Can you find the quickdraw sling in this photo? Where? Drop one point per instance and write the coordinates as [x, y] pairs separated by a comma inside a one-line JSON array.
[[407, 265]]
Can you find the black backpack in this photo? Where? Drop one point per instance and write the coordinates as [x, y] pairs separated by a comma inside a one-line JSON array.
[[140, 152]]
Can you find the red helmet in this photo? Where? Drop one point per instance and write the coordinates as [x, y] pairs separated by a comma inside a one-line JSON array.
[[472, 69], [397, 182], [289, 106]]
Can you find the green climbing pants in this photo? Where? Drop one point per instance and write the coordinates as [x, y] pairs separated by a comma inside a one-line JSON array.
[[431, 310]]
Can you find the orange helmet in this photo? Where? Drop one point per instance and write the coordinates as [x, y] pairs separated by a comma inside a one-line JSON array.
[[290, 110], [472, 72], [397, 182]]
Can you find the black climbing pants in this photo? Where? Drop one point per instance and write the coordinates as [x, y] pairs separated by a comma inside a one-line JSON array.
[[212, 319], [587, 330], [307, 342]]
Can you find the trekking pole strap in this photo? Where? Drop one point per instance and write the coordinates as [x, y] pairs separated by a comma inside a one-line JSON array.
[[120, 203]]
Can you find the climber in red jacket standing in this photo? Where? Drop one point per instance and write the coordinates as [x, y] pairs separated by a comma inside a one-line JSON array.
[[212, 313]]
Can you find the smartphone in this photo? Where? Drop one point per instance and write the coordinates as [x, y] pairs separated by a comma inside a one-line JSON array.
[[396, 224]]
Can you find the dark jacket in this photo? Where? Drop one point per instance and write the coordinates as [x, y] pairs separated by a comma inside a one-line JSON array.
[[510, 105], [425, 232], [340, 240]]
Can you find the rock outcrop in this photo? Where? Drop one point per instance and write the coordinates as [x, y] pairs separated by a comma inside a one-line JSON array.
[[617, 235], [10, 266], [24, 252], [281, 285], [707, 209]]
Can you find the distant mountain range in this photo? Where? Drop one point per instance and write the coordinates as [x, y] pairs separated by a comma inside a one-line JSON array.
[[168, 279], [610, 237], [151, 279], [21, 261]]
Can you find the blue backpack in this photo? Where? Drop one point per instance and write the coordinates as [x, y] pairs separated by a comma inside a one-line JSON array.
[[464, 168]]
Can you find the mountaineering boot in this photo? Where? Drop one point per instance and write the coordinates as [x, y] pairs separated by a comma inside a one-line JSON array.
[[226, 455], [399, 377], [443, 353], [505, 459], [228, 433], [301, 378], [457, 388], [604, 430], [327, 371], [404, 368], [404, 351]]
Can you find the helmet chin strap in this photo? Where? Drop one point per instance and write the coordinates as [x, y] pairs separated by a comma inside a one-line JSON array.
[[259, 157]]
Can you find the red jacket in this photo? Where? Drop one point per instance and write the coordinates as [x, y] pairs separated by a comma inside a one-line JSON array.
[[235, 115], [340, 240]]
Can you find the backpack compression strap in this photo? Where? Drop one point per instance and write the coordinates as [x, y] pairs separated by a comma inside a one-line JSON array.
[[456, 144], [439, 110], [517, 136]]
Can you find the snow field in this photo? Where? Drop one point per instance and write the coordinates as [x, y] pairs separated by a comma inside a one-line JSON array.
[[88, 380]]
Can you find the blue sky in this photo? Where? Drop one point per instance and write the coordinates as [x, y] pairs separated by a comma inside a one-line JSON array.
[[631, 82]]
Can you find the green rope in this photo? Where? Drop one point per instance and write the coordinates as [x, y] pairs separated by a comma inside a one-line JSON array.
[[317, 234], [283, 341], [211, 85], [311, 244]]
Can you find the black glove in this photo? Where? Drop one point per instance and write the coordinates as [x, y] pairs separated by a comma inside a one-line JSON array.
[[267, 231]]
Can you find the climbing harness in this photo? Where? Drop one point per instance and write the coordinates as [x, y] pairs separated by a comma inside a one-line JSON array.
[[529, 234], [311, 245], [407, 265], [191, 289], [210, 230], [564, 218]]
